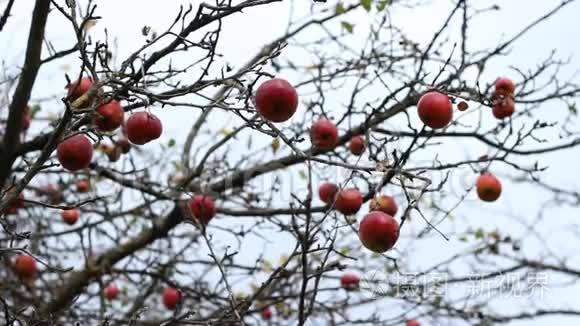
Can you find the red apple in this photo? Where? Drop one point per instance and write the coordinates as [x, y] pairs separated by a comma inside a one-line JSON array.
[[16, 204], [266, 313], [384, 204], [349, 281], [488, 187], [83, 186], [171, 298], [124, 145], [75, 152], [503, 107], [111, 292], [462, 106], [70, 216], [276, 100], [25, 266], [78, 89], [357, 145], [378, 231], [348, 201], [143, 127], [435, 109], [324, 134], [412, 322], [109, 116], [504, 86], [202, 208], [327, 191]]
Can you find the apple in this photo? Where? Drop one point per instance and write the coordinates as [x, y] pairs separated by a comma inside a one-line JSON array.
[[16, 204], [70, 216], [276, 100], [109, 116], [349, 281], [357, 145], [378, 231], [504, 86], [327, 191], [83, 186], [171, 298], [266, 313], [75, 152], [79, 88], [412, 322], [111, 292], [435, 109], [143, 127], [324, 134], [384, 204], [348, 201], [503, 107], [124, 145], [462, 106], [25, 266], [488, 187], [203, 208]]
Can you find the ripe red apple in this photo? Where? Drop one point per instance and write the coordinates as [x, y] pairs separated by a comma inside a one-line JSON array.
[[79, 88], [349, 281], [504, 86], [109, 116], [25, 266], [111, 292], [357, 145], [324, 134], [143, 127], [384, 204], [348, 201], [171, 298], [75, 152], [83, 186], [266, 313], [378, 231], [488, 187], [503, 107], [70, 216], [435, 109], [412, 322], [276, 100], [16, 204], [327, 191], [202, 208]]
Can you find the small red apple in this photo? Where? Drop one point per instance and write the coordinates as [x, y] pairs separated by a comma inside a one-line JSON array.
[[357, 145], [462, 106], [171, 298], [79, 88], [324, 134], [378, 231], [503, 107], [348, 201], [202, 208], [143, 127], [70, 216], [124, 145], [266, 313], [435, 109], [504, 86], [83, 186], [327, 191], [109, 116], [384, 204], [25, 266], [276, 100], [16, 204], [111, 292], [349, 281], [488, 187], [75, 152], [412, 322]]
